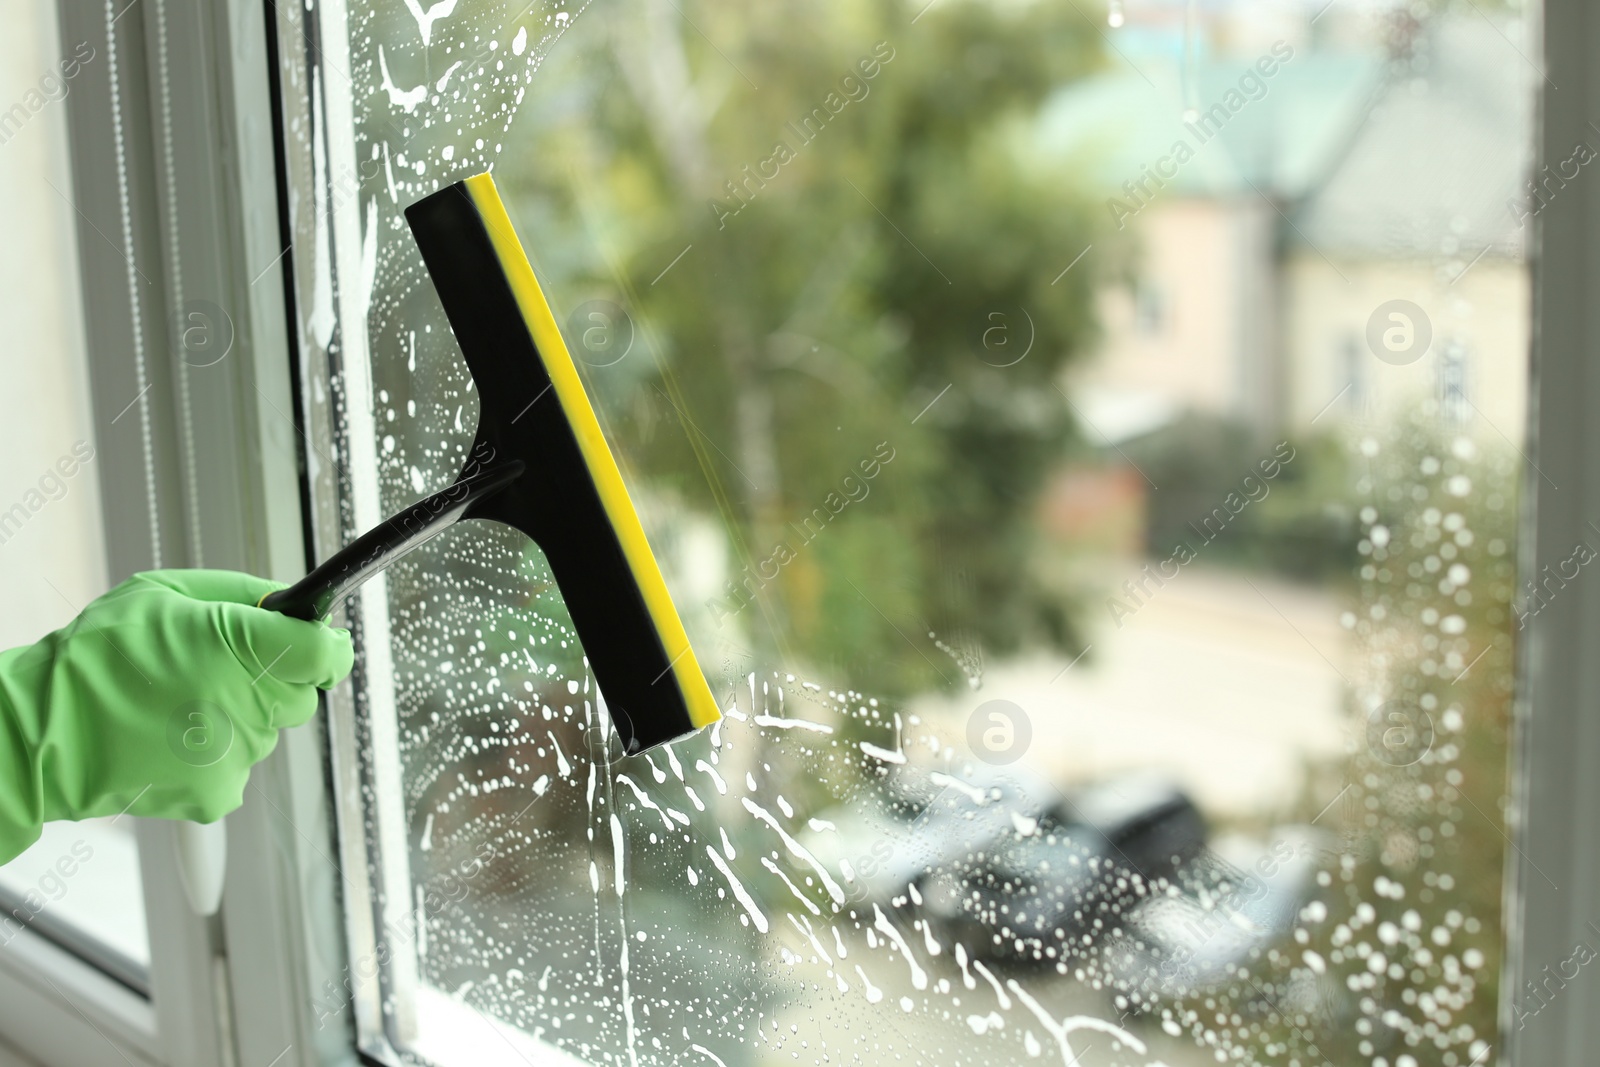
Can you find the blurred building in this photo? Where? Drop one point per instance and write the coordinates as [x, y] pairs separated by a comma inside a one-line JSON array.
[[1272, 194], [1272, 181]]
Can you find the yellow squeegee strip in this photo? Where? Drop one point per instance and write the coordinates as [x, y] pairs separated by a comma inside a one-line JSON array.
[[596, 453]]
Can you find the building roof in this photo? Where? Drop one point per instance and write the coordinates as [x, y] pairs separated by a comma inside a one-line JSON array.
[[1445, 148], [1372, 157], [1110, 126]]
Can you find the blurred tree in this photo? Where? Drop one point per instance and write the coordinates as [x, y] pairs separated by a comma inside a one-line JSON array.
[[1297, 523], [830, 237]]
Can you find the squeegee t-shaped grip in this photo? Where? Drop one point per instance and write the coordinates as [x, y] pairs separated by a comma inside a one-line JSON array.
[[313, 597]]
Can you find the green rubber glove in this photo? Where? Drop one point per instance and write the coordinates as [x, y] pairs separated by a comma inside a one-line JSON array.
[[157, 700]]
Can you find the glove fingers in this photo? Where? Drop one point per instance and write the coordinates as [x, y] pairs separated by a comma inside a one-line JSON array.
[[285, 649], [228, 587], [296, 708]]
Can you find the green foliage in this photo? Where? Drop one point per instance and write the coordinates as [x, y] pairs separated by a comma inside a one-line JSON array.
[[791, 324], [1421, 843], [1301, 528]]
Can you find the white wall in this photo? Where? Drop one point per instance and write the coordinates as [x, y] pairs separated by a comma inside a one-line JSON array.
[[54, 563], [1486, 311]]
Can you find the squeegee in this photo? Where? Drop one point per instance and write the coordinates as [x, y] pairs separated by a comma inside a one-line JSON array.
[[540, 465]]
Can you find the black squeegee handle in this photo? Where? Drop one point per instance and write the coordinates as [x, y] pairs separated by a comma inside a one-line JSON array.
[[314, 596]]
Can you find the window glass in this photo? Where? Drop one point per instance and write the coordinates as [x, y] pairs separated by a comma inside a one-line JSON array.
[[80, 882], [1084, 445]]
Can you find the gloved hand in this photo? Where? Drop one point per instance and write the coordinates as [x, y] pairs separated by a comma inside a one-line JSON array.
[[156, 700]]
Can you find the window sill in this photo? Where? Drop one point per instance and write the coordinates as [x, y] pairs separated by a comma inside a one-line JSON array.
[[58, 1009]]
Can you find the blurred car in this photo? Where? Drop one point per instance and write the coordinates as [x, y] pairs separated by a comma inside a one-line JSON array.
[[1235, 899], [1090, 855], [1014, 869]]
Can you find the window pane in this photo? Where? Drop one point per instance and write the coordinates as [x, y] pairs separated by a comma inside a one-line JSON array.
[[80, 882], [1085, 453]]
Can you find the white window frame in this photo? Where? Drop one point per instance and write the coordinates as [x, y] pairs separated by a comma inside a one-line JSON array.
[[1553, 884], [180, 115], [206, 90]]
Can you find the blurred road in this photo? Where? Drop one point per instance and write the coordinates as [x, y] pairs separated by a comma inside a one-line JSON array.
[[1229, 683]]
